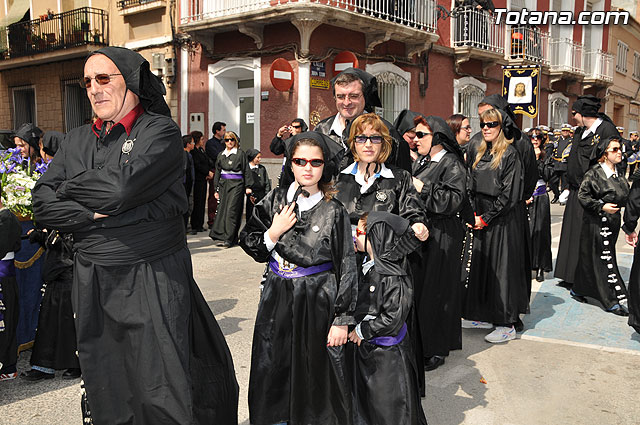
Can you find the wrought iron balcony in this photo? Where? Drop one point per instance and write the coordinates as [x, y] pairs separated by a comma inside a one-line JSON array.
[[130, 7], [78, 27], [477, 29], [529, 45]]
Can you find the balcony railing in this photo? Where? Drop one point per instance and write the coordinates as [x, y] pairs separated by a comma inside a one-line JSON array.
[[598, 65], [566, 56], [477, 29], [420, 14], [530, 44], [74, 28]]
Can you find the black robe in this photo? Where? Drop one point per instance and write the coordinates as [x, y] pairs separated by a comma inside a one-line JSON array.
[[149, 346], [396, 195], [10, 230], [437, 283], [597, 274], [631, 215], [229, 214], [540, 220], [55, 344], [577, 165], [496, 291], [260, 187], [295, 377]]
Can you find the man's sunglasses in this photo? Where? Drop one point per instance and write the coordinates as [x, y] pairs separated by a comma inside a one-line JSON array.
[[301, 162], [296, 126], [573, 113], [420, 134], [362, 139], [490, 124], [102, 79]]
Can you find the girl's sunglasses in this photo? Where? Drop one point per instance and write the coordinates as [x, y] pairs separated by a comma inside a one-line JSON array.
[[490, 124], [102, 79], [360, 232], [301, 162]]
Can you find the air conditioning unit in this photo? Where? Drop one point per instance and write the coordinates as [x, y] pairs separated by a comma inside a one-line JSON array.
[[157, 62]]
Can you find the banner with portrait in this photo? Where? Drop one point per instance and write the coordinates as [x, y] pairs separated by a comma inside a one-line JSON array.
[[521, 88]]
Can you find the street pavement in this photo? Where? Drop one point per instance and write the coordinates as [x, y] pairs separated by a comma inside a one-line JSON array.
[[573, 364]]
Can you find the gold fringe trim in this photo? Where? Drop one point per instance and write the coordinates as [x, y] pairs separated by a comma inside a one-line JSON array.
[[27, 264]]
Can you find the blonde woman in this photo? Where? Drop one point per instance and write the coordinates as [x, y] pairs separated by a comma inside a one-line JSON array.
[[497, 288], [232, 180]]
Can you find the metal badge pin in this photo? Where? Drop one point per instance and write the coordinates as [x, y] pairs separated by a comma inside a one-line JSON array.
[[127, 146], [315, 229], [381, 196]]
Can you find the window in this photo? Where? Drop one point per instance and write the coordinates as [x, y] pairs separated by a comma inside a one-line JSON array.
[[469, 97], [394, 94], [636, 66], [559, 113], [633, 124], [621, 59], [24, 105], [77, 108]]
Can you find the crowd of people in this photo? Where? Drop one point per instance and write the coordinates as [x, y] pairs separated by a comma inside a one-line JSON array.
[[381, 242]]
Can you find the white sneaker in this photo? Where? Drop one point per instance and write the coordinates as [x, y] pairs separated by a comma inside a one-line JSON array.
[[501, 334], [472, 324]]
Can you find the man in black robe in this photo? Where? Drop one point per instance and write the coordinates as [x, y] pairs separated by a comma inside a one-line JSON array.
[[149, 347], [213, 147], [592, 126], [356, 92]]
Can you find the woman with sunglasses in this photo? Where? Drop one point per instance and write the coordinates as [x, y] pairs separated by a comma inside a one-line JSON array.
[[602, 193], [440, 178], [232, 180], [298, 371], [370, 185], [496, 291], [540, 210]]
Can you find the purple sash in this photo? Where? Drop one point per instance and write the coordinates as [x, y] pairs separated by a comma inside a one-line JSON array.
[[230, 176], [297, 271], [7, 268], [388, 341], [540, 190]]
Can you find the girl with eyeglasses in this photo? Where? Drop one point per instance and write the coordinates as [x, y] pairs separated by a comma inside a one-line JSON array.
[[461, 128], [602, 193], [298, 373], [496, 291], [540, 211], [232, 180], [440, 178]]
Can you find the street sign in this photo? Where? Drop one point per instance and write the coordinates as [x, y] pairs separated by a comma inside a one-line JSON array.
[[318, 69], [319, 83], [281, 74], [344, 60]]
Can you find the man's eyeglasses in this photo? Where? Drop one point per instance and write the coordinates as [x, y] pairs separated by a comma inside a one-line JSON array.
[[301, 162], [490, 124], [102, 79], [362, 139], [351, 96], [420, 134], [360, 232]]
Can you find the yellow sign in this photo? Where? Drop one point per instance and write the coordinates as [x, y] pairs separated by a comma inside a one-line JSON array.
[[319, 83]]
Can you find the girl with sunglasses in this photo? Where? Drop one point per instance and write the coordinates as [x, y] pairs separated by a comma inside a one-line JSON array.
[[496, 291], [540, 210], [233, 178], [308, 300], [602, 193]]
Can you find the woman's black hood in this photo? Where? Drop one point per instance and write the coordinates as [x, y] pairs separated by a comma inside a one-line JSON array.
[[252, 153], [600, 147], [331, 151], [404, 122], [391, 239], [443, 135], [370, 89], [30, 134], [509, 126], [138, 78], [51, 142]]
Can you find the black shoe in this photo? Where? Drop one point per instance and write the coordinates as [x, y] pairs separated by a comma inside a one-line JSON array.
[[226, 244], [554, 200], [540, 276], [579, 298], [618, 310], [71, 373], [565, 284], [433, 363], [36, 375], [518, 326]]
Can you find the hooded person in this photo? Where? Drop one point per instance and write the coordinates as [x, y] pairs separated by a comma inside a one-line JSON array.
[[442, 182], [119, 191], [406, 128], [356, 93], [28, 140], [603, 192], [261, 182], [592, 126], [298, 373], [385, 374], [50, 143]]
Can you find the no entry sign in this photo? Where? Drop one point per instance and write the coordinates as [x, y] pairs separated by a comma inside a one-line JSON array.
[[344, 60], [281, 74]]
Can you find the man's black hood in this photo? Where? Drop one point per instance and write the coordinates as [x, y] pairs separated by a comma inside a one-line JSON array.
[[138, 77], [370, 89]]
